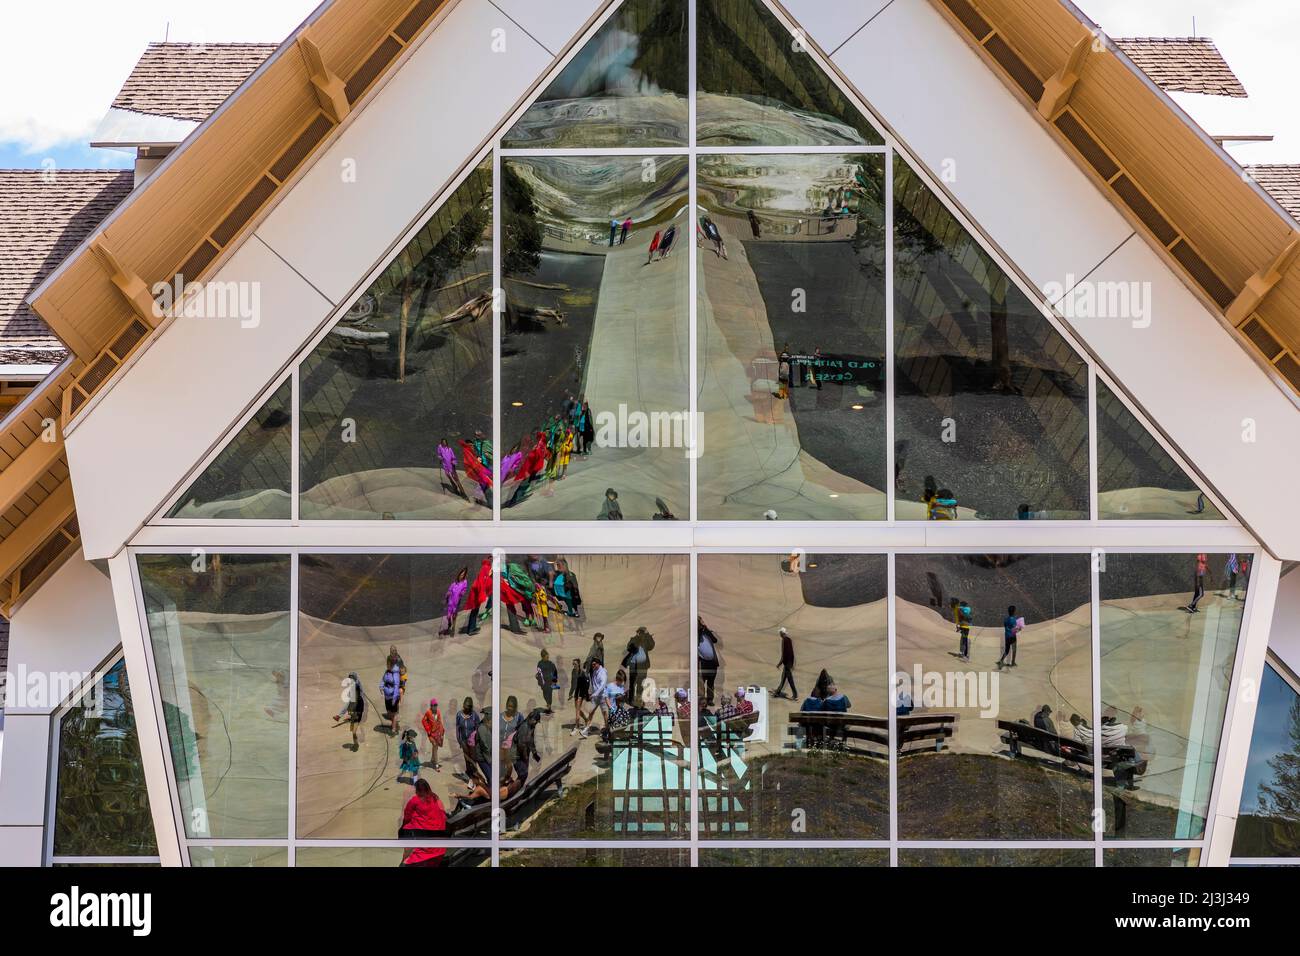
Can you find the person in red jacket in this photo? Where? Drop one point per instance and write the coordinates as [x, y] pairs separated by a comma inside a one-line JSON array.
[[423, 815], [480, 593]]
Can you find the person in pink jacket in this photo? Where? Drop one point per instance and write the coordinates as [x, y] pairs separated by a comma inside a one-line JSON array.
[[455, 598]]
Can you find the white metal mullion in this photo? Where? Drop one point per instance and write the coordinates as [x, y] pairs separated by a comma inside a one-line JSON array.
[[696, 431], [891, 669], [890, 463], [693, 741], [295, 444], [1098, 796], [293, 705], [1093, 465], [494, 785], [498, 304]]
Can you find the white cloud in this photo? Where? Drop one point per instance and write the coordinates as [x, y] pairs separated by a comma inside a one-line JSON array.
[[62, 61]]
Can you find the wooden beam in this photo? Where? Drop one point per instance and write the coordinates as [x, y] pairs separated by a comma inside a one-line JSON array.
[[1261, 283], [47, 518], [24, 470], [331, 91], [131, 286], [1058, 88]]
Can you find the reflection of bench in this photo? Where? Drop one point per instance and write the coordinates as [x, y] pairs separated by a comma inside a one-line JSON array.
[[467, 823], [1019, 736], [924, 728], [818, 727], [726, 734]]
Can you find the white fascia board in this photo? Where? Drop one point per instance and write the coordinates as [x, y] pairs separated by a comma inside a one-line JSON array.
[[128, 128], [1202, 389], [405, 147], [829, 24], [1284, 638], [554, 23], [34, 372], [69, 626], [980, 142], [177, 399]]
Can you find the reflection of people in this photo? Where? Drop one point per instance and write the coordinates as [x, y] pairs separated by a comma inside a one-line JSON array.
[[836, 703], [525, 745], [596, 688], [754, 225], [579, 693], [391, 685], [547, 677], [1043, 719], [354, 707], [962, 616], [654, 246], [610, 510], [707, 653], [455, 597], [1198, 584], [434, 730], [813, 731], [786, 663], [408, 755], [466, 724], [423, 815], [1011, 628], [637, 662]]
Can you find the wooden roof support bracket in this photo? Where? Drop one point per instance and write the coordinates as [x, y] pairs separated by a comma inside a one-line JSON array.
[[1058, 88], [1261, 283], [330, 90], [131, 286]]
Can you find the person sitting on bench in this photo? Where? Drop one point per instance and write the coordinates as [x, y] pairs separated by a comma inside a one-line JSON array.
[[812, 730], [836, 703]]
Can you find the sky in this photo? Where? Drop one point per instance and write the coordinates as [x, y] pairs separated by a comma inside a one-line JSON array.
[[51, 106]]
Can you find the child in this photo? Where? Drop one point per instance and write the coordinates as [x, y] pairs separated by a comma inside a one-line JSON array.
[[542, 606], [408, 751]]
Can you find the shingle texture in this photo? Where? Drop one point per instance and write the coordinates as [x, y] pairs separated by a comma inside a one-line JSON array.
[[44, 214], [1183, 64], [1282, 182], [188, 81]]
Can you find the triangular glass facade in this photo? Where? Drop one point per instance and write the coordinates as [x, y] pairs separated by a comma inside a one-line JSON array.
[[250, 479]]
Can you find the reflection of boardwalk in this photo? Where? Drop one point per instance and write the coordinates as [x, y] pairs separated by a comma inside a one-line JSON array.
[[638, 359], [752, 458], [620, 593]]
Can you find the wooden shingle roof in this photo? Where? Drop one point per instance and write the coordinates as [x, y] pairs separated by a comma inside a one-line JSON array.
[[1183, 64], [1282, 181], [187, 81], [44, 215]]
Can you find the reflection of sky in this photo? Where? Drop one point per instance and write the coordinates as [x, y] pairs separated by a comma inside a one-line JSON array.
[[604, 67], [1272, 735]]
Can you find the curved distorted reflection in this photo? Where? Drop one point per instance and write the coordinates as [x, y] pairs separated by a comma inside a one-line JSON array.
[[759, 86], [792, 337], [595, 675], [219, 629], [1169, 628], [799, 750], [991, 403], [396, 400], [626, 87], [994, 697], [394, 678], [595, 415]]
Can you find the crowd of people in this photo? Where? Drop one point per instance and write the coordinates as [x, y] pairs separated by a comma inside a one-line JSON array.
[[551, 449]]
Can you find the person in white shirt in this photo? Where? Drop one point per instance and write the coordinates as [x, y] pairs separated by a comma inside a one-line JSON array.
[[599, 679]]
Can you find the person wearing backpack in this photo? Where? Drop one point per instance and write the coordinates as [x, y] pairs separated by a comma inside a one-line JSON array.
[[391, 685], [962, 616]]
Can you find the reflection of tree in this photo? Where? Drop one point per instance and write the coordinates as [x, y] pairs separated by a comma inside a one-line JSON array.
[[1280, 797], [521, 232], [102, 803]]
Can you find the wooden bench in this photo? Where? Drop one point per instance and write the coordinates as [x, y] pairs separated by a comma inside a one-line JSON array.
[[1020, 736], [818, 726], [466, 822], [924, 728]]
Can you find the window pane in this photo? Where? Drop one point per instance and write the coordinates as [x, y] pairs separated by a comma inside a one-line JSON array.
[[1269, 823], [625, 88], [991, 416], [792, 337], [1151, 857], [238, 856], [594, 361], [995, 697], [1136, 478], [250, 478], [1169, 629], [819, 857], [758, 85], [371, 856], [596, 856], [219, 626], [101, 805], [991, 856], [793, 663], [397, 398], [626, 773], [374, 654]]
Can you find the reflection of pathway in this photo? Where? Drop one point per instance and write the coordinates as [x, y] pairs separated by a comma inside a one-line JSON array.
[[752, 459], [746, 598], [346, 794], [1054, 667], [1137, 504], [638, 359], [620, 593]]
